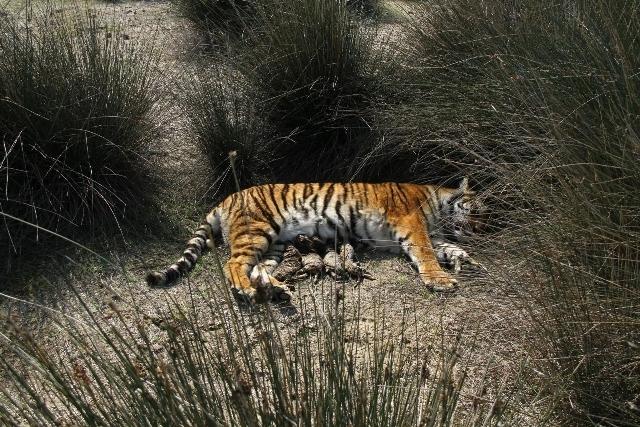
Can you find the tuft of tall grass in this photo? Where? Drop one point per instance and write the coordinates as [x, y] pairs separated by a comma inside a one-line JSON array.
[[310, 61], [365, 8], [226, 116], [74, 105], [450, 108], [218, 20], [542, 102], [590, 303], [298, 107]]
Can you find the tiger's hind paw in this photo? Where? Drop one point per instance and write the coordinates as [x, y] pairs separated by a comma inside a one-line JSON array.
[[248, 296], [267, 286]]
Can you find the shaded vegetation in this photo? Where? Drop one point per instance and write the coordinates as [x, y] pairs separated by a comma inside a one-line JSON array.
[[542, 102], [218, 21], [307, 66], [74, 102], [226, 117], [310, 62]]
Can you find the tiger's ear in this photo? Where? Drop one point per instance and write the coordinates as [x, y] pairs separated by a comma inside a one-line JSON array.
[[462, 188], [464, 185]]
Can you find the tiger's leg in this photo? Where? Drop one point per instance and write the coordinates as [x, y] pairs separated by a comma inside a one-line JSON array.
[[236, 270], [253, 281], [248, 243], [411, 232], [270, 259], [262, 273]]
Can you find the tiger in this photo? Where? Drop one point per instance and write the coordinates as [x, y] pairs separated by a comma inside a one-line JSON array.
[[257, 221]]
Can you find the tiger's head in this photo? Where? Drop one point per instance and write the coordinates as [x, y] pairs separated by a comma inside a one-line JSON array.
[[464, 213]]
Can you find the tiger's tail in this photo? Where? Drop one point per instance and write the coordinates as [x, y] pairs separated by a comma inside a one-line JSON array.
[[202, 239]]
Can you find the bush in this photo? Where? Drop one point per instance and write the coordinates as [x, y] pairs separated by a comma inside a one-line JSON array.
[[74, 102], [450, 108], [542, 100], [589, 247]]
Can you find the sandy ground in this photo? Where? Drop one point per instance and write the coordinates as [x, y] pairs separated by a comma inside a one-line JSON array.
[[480, 311]]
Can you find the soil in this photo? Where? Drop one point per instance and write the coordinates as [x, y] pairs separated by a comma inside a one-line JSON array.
[[481, 312]]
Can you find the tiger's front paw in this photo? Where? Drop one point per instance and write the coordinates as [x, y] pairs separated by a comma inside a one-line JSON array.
[[440, 282]]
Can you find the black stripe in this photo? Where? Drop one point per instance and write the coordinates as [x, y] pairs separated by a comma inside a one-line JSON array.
[[251, 252], [191, 257], [318, 199], [391, 191], [206, 235], [327, 199], [337, 208], [403, 196], [195, 247], [261, 194], [275, 203], [207, 231], [269, 217], [183, 266], [171, 275], [294, 196], [405, 238], [306, 192], [285, 191], [352, 223], [254, 233], [364, 194], [265, 206], [426, 194], [345, 193], [232, 200], [314, 203], [266, 235]]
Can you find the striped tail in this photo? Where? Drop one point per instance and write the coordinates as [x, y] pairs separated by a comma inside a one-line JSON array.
[[202, 239]]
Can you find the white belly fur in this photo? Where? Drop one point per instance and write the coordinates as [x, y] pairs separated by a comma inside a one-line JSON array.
[[371, 229]]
